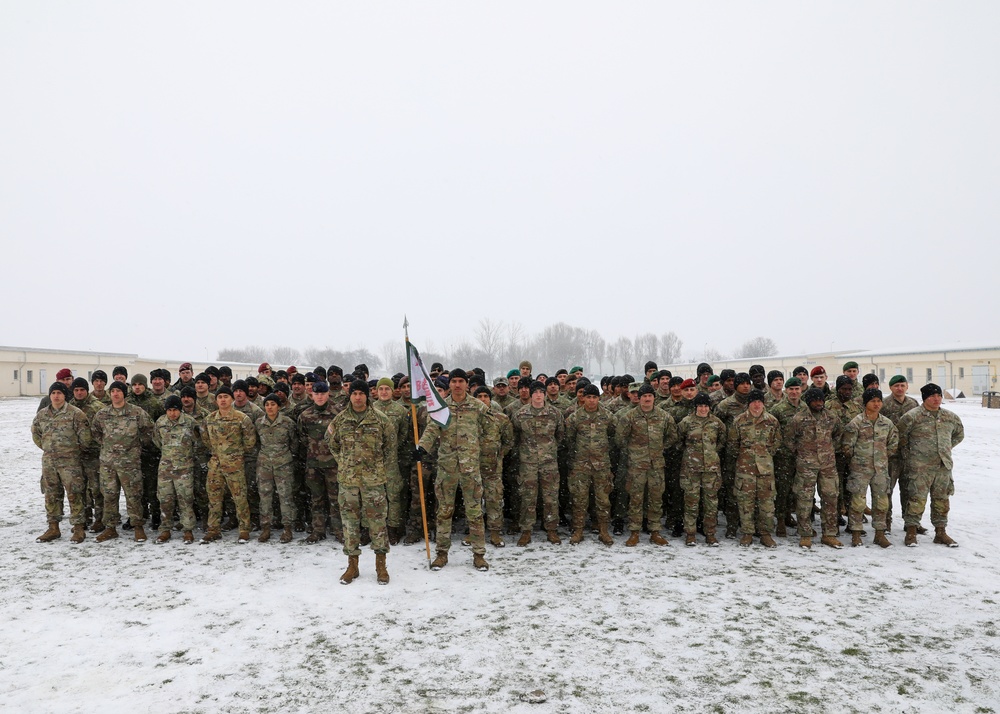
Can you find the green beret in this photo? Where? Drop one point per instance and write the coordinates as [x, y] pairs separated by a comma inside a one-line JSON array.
[[385, 382], [514, 373], [713, 379], [850, 365], [575, 369], [897, 379], [793, 382]]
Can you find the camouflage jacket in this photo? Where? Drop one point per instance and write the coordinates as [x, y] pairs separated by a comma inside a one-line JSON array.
[[254, 413], [402, 425], [177, 386], [176, 441], [207, 402], [458, 444], [731, 407], [313, 423], [89, 406], [812, 438], [926, 438], [198, 414], [148, 403], [894, 410], [869, 444], [497, 441], [589, 436], [645, 436], [364, 445], [62, 433], [679, 410], [845, 411], [539, 434], [620, 403], [104, 399], [122, 432], [703, 440], [783, 411], [229, 438], [753, 441], [278, 441], [770, 400], [502, 402], [718, 396], [512, 408]]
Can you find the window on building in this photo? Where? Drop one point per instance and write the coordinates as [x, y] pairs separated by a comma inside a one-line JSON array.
[[909, 374], [15, 374], [930, 375], [30, 377], [961, 372], [881, 375]]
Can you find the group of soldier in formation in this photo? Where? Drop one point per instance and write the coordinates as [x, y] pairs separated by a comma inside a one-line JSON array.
[[658, 454]]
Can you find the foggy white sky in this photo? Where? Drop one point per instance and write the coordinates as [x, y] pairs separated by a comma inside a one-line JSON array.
[[177, 178]]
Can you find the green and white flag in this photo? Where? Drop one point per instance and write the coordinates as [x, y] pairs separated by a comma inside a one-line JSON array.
[[422, 388]]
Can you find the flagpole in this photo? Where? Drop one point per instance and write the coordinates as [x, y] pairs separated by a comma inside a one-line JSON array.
[[416, 440]]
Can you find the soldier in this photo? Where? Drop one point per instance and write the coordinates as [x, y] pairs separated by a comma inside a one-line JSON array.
[[818, 376], [229, 435], [501, 392], [496, 444], [524, 370], [845, 407], [122, 430], [812, 437], [150, 460], [176, 434], [757, 381], [703, 373], [204, 397], [869, 440], [727, 378], [851, 372], [752, 440], [93, 502], [703, 437], [279, 443], [396, 488], [590, 432], [673, 494], [63, 376], [185, 378], [539, 429], [775, 388], [363, 441], [649, 369], [926, 437], [158, 381], [895, 407], [513, 380], [784, 460], [321, 466], [242, 403], [99, 382], [62, 432], [645, 432], [201, 454], [727, 410], [458, 456]]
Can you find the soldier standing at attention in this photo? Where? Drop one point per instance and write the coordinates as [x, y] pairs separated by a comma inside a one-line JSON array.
[[589, 434], [396, 488], [539, 428], [704, 437], [321, 467], [279, 443], [869, 440], [62, 432], [363, 441], [99, 382], [229, 435], [176, 435], [784, 461], [495, 445], [752, 440], [927, 435], [812, 437], [93, 502], [895, 407]]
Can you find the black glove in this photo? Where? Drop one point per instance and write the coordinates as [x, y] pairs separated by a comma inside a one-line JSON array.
[[419, 453]]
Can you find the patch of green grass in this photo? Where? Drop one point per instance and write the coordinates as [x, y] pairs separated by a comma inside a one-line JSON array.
[[851, 652]]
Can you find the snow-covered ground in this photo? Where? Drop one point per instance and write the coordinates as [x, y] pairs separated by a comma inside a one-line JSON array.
[[121, 627]]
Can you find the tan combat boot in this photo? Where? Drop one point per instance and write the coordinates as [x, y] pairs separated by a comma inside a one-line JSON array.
[[479, 562], [767, 541], [352, 571], [211, 535], [496, 539], [711, 541], [577, 536], [656, 539], [881, 541], [140, 534], [380, 572], [440, 561], [602, 533], [79, 534], [524, 539], [98, 527], [780, 530], [911, 537], [553, 537], [265, 534], [806, 542], [286, 535], [856, 539], [108, 533], [942, 538], [163, 537], [691, 539], [244, 537], [51, 534], [188, 537], [831, 542], [746, 540], [633, 539]]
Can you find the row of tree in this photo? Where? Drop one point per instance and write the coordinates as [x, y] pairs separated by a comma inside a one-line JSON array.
[[497, 346]]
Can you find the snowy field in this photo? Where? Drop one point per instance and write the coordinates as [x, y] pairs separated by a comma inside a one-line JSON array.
[[132, 627]]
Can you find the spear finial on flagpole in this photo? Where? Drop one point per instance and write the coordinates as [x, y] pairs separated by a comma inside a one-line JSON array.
[[406, 326]]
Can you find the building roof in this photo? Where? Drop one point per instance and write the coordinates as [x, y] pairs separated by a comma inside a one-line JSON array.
[[925, 349]]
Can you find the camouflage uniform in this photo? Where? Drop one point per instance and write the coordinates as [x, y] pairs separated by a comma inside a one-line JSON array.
[[844, 411], [894, 409], [176, 441], [645, 436], [122, 433], [201, 456], [812, 438], [429, 471], [93, 501], [926, 439], [458, 455], [539, 433], [589, 436], [229, 438], [63, 435], [718, 396], [396, 489], [703, 440], [321, 467], [727, 410], [496, 443], [673, 494], [364, 445], [207, 402], [784, 462], [511, 490], [250, 462], [753, 441], [868, 445], [279, 442], [150, 458]]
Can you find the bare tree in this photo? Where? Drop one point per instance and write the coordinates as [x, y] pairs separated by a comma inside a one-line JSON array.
[[757, 347], [393, 356], [490, 341], [625, 350], [514, 345], [598, 348], [646, 347], [670, 348], [285, 355], [613, 355], [250, 353], [713, 355]]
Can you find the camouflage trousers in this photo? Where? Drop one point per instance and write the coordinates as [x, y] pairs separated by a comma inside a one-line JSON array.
[[368, 504], [937, 482], [701, 489], [253, 489], [532, 478], [280, 479], [727, 496], [673, 494], [807, 480], [201, 491], [324, 502], [175, 491], [92, 496], [755, 494], [511, 506], [121, 476], [430, 503], [63, 476], [149, 463], [637, 484], [784, 477], [446, 488], [223, 476], [492, 497], [619, 494], [897, 476], [582, 478], [857, 487], [394, 492], [843, 472]]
